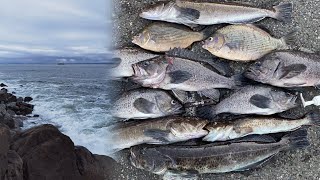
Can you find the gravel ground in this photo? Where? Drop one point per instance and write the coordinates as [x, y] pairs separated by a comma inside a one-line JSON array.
[[300, 164]]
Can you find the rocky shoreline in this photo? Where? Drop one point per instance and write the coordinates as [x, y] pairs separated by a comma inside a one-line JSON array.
[[42, 152]]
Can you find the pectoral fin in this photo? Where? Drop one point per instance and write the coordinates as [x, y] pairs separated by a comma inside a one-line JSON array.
[[157, 134], [292, 70], [177, 77], [144, 105], [260, 101]]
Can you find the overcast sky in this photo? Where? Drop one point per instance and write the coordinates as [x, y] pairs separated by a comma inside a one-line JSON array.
[[53, 27]]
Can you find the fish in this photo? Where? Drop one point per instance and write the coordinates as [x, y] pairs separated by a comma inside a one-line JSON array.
[[206, 13], [287, 69], [144, 104], [315, 101], [224, 131], [211, 158], [245, 42], [258, 99], [127, 56], [158, 131], [161, 37], [182, 74]]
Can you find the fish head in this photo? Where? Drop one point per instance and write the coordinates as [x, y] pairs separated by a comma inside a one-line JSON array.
[[214, 43], [189, 128], [168, 105], [264, 70], [158, 11], [142, 38], [284, 100], [150, 72], [149, 159]]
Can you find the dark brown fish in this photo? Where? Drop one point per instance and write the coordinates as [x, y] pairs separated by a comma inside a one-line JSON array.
[[213, 158]]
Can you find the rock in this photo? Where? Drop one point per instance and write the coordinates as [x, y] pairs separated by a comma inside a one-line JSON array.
[[87, 164], [28, 99], [36, 115], [15, 167], [3, 110], [4, 90], [49, 154], [4, 149], [108, 165], [3, 85], [13, 92], [20, 99], [8, 120]]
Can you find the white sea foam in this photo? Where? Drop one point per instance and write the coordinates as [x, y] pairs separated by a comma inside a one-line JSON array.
[[77, 106]]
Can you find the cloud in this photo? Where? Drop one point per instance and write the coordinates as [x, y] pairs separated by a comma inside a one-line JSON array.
[[53, 27]]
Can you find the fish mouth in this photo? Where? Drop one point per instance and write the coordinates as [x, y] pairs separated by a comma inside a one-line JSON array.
[[138, 72]]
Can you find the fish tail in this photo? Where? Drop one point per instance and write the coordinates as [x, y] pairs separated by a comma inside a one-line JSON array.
[[290, 38], [206, 112], [297, 139], [283, 12], [208, 31], [239, 81], [314, 118]]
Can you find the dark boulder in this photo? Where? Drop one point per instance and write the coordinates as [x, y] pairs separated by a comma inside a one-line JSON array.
[[28, 99], [49, 154], [15, 167], [20, 99], [36, 115], [4, 149], [3, 85], [88, 164]]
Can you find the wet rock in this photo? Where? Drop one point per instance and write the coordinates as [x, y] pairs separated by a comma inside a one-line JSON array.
[[4, 149], [3, 90], [3, 85], [28, 99], [15, 167], [36, 115], [20, 99]]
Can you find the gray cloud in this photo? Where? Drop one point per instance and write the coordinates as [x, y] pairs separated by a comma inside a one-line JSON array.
[[54, 27]]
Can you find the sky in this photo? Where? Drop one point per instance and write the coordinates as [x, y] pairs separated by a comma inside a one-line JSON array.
[[54, 27]]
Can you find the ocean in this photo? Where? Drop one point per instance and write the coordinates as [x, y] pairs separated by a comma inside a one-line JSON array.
[[72, 97]]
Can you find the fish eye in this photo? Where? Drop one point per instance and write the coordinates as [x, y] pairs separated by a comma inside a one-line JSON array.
[[146, 63], [173, 102], [210, 38]]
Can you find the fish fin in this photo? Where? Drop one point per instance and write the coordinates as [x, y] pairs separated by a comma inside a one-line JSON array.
[[297, 139], [283, 12], [253, 20], [255, 138], [188, 13], [206, 112], [178, 77], [222, 68], [293, 85], [314, 118], [180, 175], [240, 80], [292, 70], [157, 134], [260, 101], [144, 105], [255, 165], [182, 96], [213, 94], [290, 38]]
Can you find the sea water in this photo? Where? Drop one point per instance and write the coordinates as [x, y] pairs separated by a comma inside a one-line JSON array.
[[72, 97]]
